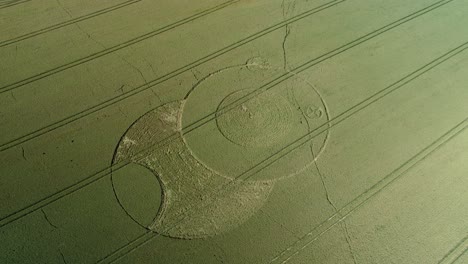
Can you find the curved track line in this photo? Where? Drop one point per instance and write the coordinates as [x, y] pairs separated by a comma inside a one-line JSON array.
[[314, 62], [147, 239], [106, 171], [172, 74], [101, 174], [340, 118], [356, 203], [335, 218], [141, 88]]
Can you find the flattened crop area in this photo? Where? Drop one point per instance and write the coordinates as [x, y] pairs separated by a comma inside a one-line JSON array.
[[234, 131]]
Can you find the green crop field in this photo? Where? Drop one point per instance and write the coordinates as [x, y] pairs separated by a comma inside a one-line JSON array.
[[234, 131]]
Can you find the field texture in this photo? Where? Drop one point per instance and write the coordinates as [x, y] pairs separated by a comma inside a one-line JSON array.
[[234, 131]]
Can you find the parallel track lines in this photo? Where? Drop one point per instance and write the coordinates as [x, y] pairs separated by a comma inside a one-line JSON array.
[[352, 111], [141, 88], [356, 203], [13, 3], [66, 23], [114, 48], [106, 171], [456, 252], [331, 221], [309, 136], [116, 99], [366, 195]]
